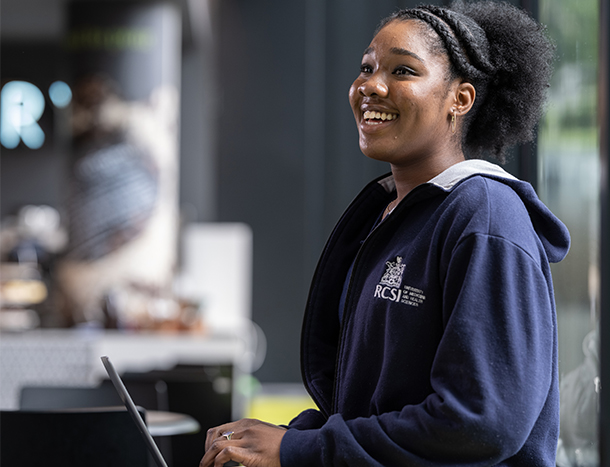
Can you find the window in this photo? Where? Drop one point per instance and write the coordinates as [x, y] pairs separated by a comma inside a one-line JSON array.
[[569, 168]]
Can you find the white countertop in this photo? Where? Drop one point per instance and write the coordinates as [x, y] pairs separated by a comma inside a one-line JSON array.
[[72, 356]]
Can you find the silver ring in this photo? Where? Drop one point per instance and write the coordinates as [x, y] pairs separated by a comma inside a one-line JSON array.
[[227, 434]]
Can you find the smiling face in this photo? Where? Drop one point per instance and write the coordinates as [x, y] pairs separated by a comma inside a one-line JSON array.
[[402, 100]]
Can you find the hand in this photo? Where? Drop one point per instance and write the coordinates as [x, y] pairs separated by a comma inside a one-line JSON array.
[[253, 444]]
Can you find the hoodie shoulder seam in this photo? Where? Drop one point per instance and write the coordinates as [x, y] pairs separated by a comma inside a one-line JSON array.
[[502, 239]]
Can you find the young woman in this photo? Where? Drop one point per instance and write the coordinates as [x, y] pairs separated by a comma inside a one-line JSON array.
[[429, 336]]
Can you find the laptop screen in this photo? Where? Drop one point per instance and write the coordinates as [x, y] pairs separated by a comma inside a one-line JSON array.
[[133, 411]]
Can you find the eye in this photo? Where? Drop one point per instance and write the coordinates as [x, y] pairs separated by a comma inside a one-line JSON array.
[[403, 70], [365, 68]]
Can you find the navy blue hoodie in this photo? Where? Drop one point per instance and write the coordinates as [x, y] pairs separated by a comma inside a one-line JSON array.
[[446, 352]]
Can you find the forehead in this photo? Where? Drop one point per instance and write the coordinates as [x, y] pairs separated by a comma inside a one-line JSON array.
[[409, 35]]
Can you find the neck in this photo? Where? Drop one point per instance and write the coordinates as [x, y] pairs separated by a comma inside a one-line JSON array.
[[410, 176]]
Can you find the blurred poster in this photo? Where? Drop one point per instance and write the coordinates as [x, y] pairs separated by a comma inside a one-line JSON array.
[[122, 205]]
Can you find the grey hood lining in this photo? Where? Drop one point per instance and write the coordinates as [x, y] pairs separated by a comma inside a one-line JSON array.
[[457, 172]]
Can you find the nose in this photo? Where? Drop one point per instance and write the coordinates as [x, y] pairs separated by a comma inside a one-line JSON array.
[[375, 85]]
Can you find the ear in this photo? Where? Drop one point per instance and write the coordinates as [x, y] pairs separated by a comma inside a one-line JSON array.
[[464, 96]]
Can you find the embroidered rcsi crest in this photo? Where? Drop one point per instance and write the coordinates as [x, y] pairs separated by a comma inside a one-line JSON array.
[[393, 273], [390, 286]]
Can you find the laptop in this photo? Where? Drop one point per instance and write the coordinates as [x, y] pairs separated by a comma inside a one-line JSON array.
[[133, 411]]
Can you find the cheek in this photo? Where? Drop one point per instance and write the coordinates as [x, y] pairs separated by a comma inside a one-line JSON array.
[[354, 96]]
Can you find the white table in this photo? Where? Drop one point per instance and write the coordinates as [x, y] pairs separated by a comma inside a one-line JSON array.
[[72, 357], [170, 423]]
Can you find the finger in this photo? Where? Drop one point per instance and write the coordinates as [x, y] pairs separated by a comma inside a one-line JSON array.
[[210, 436], [221, 449], [215, 433], [212, 451], [231, 453]]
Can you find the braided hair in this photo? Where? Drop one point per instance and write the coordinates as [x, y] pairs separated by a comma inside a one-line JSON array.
[[505, 55]]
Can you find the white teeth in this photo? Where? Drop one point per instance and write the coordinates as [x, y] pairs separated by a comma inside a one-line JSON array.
[[369, 115]]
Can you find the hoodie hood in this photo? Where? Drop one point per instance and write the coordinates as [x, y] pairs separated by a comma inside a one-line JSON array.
[[552, 232]]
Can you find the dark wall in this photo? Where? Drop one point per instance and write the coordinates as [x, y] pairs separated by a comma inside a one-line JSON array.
[[288, 155], [260, 161]]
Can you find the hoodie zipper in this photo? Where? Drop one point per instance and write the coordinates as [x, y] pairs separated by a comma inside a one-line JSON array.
[[313, 393], [411, 198]]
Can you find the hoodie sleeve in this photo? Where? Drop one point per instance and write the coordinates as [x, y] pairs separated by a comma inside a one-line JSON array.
[[308, 419], [493, 376]]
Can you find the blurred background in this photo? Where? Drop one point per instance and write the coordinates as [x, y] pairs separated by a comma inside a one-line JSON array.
[[170, 171]]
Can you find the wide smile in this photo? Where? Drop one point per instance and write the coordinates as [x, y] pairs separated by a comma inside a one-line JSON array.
[[371, 117]]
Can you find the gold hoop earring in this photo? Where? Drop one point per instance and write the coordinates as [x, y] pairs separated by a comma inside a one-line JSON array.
[[453, 124]]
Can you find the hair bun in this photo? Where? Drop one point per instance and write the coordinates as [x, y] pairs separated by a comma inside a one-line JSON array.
[[522, 57]]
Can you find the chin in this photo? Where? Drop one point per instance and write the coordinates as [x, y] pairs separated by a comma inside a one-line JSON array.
[[377, 154]]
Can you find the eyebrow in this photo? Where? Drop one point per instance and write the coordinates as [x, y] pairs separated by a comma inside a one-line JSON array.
[[397, 51]]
